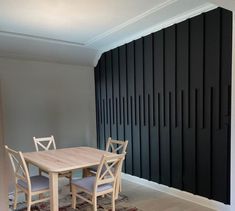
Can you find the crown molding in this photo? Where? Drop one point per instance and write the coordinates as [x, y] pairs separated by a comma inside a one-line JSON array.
[[130, 21], [177, 19], [44, 39]]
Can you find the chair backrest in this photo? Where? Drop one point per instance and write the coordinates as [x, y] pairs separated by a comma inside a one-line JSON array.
[[44, 143], [19, 166], [116, 145], [108, 170]]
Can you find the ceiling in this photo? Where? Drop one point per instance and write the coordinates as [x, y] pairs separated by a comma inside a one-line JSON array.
[[77, 32]]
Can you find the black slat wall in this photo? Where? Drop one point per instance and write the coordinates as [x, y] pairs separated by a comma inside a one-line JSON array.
[[169, 94]]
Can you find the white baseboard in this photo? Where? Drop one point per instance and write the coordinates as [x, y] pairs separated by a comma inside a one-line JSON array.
[[215, 205]]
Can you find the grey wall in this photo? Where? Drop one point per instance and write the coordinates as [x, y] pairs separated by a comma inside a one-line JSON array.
[[40, 99]]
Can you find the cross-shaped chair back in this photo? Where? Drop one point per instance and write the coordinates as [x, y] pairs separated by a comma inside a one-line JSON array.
[[116, 146], [45, 143], [19, 166], [108, 170]]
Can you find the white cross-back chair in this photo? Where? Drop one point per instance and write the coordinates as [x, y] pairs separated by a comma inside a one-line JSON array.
[[30, 186], [48, 143], [117, 147], [103, 183], [45, 143]]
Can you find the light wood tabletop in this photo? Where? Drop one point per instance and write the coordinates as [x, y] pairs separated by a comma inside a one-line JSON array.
[[60, 160]]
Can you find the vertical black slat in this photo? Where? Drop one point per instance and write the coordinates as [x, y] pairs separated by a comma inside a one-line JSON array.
[[170, 134], [189, 73], [203, 72], [147, 91], [115, 91], [107, 111], [103, 100], [130, 87], [124, 128], [109, 78], [220, 150], [140, 131], [136, 141], [113, 125], [158, 86], [211, 125], [226, 58], [183, 82], [159, 67], [153, 80], [163, 78], [195, 133], [153, 130], [182, 134], [159, 137], [98, 103], [196, 77], [169, 94], [139, 104], [176, 79], [123, 93]]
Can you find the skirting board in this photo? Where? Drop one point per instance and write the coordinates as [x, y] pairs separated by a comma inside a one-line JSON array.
[[178, 193]]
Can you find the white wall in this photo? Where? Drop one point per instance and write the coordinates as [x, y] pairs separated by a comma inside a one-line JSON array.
[[40, 99]]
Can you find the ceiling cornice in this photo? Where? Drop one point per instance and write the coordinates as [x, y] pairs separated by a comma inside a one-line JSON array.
[[179, 18], [130, 21]]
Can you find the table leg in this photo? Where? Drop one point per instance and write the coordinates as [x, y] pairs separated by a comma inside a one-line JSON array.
[[54, 201]]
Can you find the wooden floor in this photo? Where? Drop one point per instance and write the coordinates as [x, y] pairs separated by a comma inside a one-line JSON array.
[[148, 199]]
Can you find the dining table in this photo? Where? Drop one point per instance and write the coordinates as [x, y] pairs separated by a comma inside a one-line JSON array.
[[61, 160]]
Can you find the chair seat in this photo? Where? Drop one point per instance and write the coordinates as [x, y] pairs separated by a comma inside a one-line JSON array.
[[38, 183], [87, 183]]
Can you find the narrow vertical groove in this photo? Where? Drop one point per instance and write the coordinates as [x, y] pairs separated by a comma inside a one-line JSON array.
[[203, 71], [189, 73], [163, 81], [149, 135], [176, 77], [127, 91], [196, 137], [135, 83], [143, 50], [153, 81], [220, 69], [159, 133], [140, 120], [182, 134], [170, 138], [211, 140]]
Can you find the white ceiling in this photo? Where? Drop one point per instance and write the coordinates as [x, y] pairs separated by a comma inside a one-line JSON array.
[[77, 32]]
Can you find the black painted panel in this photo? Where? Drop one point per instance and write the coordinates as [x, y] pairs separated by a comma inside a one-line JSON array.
[[169, 94]]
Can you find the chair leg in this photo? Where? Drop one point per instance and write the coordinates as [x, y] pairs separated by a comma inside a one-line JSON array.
[[15, 198], [94, 200], [113, 201], [73, 197], [29, 202], [70, 182]]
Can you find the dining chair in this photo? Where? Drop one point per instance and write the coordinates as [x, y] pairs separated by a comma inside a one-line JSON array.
[[48, 143], [103, 183], [30, 186], [114, 146]]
